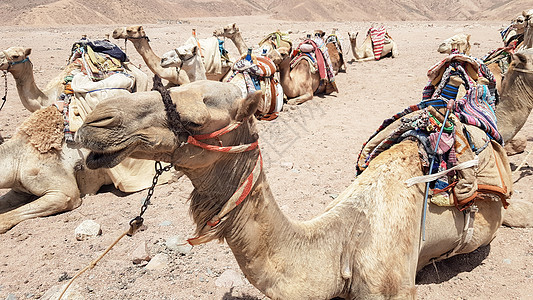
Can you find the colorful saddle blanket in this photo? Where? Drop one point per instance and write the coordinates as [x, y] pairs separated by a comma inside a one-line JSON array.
[[278, 39], [315, 50], [257, 73]]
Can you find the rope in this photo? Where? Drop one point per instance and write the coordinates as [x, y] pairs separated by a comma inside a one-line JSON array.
[[93, 263]]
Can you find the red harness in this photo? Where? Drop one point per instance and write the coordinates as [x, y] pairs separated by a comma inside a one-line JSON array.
[[240, 194]]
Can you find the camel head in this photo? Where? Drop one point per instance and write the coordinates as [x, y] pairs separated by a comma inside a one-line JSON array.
[[353, 37], [460, 41], [130, 32], [519, 24], [521, 65], [229, 31], [278, 56], [179, 57], [116, 129], [320, 33], [13, 56]]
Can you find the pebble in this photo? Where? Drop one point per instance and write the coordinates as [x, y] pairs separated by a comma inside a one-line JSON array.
[[140, 254], [229, 278], [158, 262], [87, 229], [74, 292], [165, 223], [178, 244], [11, 297], [507, 261]]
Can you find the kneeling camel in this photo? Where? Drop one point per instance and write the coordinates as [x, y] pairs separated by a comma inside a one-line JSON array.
[[365, 246]]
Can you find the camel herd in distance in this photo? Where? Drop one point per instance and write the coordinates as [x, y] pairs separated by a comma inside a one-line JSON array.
[[208, 89]]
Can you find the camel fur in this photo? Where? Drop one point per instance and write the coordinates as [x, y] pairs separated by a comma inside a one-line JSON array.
[[46, 176], [459, 42], [366, 52], [366, 246]]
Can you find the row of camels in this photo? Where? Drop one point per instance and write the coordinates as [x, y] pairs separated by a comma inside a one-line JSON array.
[[376, 249]]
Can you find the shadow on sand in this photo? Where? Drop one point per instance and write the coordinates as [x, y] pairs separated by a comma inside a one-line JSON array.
[[447, 269]]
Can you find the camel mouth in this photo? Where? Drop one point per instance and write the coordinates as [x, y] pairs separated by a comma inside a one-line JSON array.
[[96, 160]]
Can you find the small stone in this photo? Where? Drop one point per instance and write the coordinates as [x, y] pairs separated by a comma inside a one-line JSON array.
[[87, 229], [229, 279], [11, 297], [287, 164], [74, 292], [158, 262], [140, 254], [165, 223], [176, 243], [507, 261]]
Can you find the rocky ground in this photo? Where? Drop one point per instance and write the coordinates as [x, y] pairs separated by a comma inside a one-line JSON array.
[[309, 154]]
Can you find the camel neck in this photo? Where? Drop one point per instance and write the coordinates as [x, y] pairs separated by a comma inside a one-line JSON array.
[[516, 102], [31, 96], [142, 45], [195, 71], [239, 43]]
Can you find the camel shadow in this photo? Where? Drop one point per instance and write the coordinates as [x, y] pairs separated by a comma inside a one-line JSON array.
[[229, 296], [447, 269]]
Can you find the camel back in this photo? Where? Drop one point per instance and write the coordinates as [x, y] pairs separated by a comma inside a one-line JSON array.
[[470, 137], [256, 73]]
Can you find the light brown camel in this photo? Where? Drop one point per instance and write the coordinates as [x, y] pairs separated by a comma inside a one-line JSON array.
[[366, 51], [130, 176], [138, 37], [233, 33], [15, 60], [46, 176], [367, 246], [459, 42], [299, 83], [334, 49], [187, 59]]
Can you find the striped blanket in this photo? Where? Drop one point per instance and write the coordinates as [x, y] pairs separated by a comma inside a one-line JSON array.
[[321, 56], [377, 35]]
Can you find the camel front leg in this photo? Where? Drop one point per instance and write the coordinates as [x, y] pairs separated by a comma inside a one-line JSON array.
[[52, 202], [300, 99]]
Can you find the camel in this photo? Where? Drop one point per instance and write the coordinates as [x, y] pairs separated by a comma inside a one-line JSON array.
[[299, 83], [15, 60], [366, 51], [459, 42], [46, 175], [233, 33], [187, 59], [367, 246], [131, 176], [138, 37], [334, 49]]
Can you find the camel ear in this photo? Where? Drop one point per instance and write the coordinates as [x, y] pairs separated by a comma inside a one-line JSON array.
[[234, 25], [194, 49], [140, 29], [248, 106], [27, 51]]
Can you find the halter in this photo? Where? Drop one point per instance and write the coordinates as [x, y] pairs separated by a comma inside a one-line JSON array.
[[178, 68], [523, 70], [244, 189]]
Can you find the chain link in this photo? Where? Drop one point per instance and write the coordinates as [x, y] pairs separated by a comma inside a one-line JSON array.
[[137, 222], [5, 91]]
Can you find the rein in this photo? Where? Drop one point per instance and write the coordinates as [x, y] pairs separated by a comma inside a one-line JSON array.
[[4, 98]]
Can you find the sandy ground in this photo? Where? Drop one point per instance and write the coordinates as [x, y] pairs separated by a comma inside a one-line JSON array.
[[309, 155]]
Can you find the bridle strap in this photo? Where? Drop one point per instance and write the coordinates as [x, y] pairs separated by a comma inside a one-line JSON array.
[[195, 140], [206, 234], [522, 70]]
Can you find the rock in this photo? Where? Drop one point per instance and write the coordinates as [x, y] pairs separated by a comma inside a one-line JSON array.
[[507, 261], [74, 292], [515, 146], [229, 279], [165, 223], [141, 253], [287, 164], [87, 229], [519, 213], [158, 262], [11, 297], [178, 244]]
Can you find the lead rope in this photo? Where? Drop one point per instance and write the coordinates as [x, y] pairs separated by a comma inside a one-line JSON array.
[[135, 224], [5, 90]]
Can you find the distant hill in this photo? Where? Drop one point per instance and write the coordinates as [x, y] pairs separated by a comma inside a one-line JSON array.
[[64, 12]]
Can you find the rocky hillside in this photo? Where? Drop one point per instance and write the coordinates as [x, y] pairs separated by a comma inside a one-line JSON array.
[[64, 12]]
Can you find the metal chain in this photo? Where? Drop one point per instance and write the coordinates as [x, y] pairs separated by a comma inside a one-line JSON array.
[[5, 91], [137, 222]]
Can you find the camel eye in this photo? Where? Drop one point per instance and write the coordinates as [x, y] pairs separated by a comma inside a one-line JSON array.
[[193, 125], [15, 56]]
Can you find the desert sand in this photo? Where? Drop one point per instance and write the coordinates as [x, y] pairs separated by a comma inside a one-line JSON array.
[[309, 154]]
